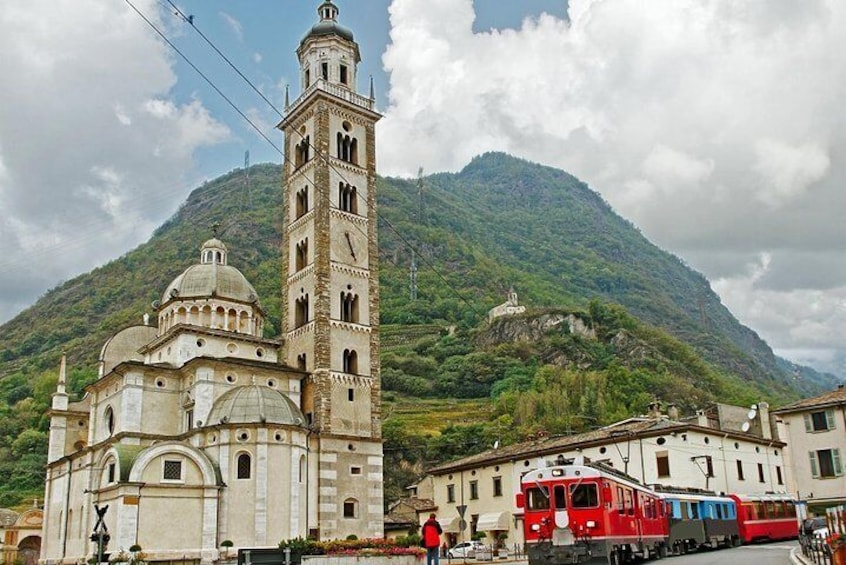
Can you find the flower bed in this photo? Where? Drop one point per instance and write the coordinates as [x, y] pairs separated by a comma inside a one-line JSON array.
[[354, 551]]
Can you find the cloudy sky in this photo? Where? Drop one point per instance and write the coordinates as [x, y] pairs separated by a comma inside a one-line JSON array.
[[714, 125]]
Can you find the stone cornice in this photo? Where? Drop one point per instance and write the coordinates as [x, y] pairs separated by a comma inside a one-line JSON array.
[[349, 270], [357, 328], [349, 378]]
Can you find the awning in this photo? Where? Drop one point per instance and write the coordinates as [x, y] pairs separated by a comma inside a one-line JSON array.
[[493, 521], [449, 525]]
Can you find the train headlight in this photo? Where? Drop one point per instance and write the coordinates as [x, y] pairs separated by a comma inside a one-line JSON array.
[[535, 527], [590, 524]]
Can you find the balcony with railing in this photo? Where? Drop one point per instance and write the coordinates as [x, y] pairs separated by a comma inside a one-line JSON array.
[[335, 90]]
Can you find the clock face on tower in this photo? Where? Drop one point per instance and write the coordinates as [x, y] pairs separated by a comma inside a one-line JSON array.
[[353, 247]]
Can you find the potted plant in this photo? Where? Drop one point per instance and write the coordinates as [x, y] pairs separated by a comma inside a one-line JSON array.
[[137, 555], [837, 542], [501, 549], [226, 544]]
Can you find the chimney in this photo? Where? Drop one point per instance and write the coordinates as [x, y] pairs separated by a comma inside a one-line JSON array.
[[654, 410], [766, 425], [673, 412]]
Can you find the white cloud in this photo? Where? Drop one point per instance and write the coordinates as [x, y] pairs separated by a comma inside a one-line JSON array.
[[711, 124], [95, 152], [236, 26], [787, 172]]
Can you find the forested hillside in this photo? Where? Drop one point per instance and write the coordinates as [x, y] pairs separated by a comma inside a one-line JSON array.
[[501, 222]]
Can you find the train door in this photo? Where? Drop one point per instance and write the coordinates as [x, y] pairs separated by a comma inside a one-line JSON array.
[[638, 500]]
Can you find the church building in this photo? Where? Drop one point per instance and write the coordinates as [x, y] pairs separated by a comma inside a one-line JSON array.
[[199, 430]]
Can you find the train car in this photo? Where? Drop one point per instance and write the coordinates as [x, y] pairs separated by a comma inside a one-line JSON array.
[[698, 518], [590, 513], [766, 517]]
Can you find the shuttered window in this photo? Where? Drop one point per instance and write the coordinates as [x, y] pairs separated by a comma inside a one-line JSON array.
[[825, 463], [821, 421]]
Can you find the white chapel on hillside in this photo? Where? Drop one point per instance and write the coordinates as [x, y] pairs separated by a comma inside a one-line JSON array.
[[200, 430]]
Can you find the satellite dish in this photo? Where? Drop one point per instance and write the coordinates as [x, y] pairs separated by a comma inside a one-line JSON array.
[[751, 415], [745, 427]]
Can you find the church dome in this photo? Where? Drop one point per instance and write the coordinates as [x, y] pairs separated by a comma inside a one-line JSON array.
[[328, 24], [253, 404], [211, 278]]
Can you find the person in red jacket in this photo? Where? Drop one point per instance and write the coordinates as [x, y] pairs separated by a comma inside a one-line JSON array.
[[431, 534]]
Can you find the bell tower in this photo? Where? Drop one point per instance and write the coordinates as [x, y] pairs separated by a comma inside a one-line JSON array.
[[330, 311]]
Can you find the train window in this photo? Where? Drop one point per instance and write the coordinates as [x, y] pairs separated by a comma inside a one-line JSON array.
[[749, 511], [683, 511], [629, 502], [719, 511], [769, 509], [620, 500], [560, 494], [584, 495], [694, 511], [790, 508], [537, 499]]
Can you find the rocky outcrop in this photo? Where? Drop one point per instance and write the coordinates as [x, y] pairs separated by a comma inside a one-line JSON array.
[[531, 328]]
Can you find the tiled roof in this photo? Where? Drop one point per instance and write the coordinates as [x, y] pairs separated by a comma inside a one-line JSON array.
[[633, 427], [834, 397], [417, 504]]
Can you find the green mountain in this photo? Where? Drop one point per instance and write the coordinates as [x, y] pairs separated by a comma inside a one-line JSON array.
[[501, 222]]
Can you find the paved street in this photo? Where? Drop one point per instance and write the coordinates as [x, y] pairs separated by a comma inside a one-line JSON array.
[[763, 554]]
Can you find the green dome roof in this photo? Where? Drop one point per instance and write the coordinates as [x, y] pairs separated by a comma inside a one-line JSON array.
[[253, 404]]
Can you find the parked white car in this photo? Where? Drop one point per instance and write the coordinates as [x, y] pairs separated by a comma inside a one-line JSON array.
[[465, 549]]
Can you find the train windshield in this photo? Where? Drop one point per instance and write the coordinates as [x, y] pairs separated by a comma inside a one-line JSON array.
[[536, 499], [560, 494], [584, 495]]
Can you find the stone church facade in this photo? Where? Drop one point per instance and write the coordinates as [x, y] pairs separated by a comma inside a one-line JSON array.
[[200, 429]]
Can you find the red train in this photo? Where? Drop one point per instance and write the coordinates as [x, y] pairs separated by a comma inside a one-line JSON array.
[[592, 513], [766, 517]]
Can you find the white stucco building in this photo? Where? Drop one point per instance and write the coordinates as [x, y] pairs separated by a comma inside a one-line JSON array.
[[815, 432], [201, 430]]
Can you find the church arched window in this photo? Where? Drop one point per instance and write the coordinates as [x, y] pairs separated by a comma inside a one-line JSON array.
[[301, 361], [347, 148], [350, 361], [244, 465], [349, 307], [302, 152], [302, 255], [302, 202], [347, 198], [301, 311]]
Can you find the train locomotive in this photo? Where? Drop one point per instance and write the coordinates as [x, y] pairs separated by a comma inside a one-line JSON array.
[[592, 513]]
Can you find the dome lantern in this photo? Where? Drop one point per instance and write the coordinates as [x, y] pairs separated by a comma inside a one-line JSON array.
[[213, 252]]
